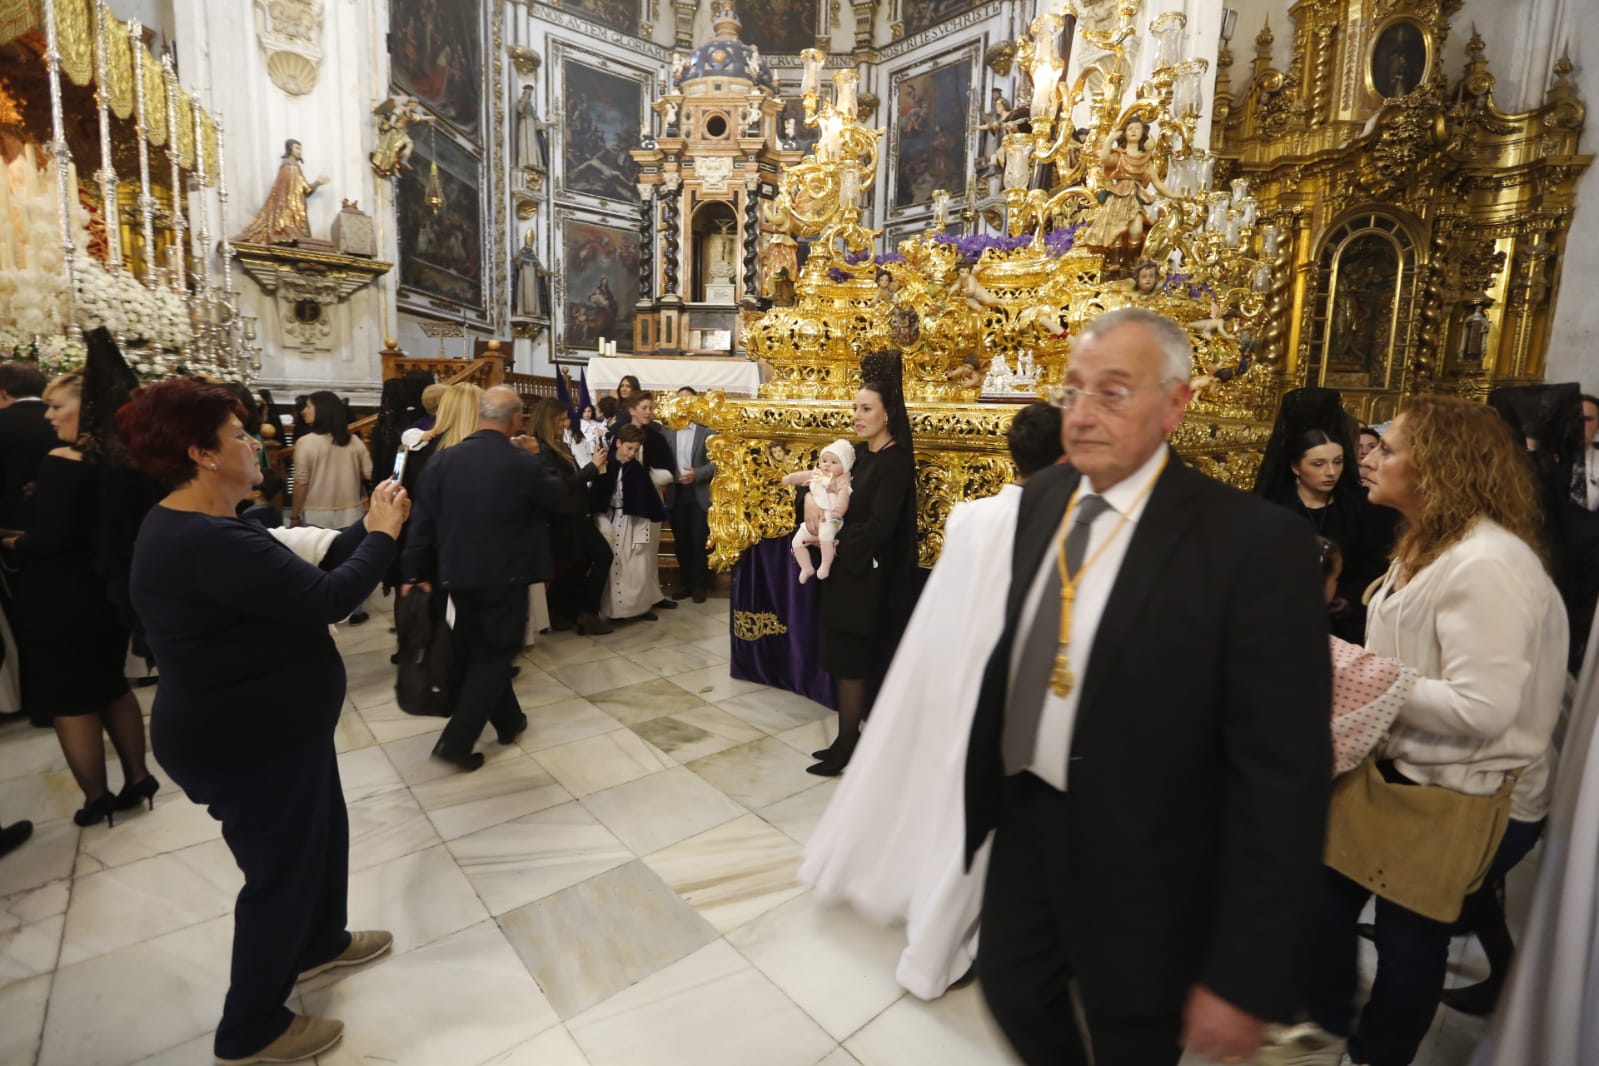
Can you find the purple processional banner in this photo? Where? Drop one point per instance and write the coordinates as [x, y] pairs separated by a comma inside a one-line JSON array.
[[774, 624]]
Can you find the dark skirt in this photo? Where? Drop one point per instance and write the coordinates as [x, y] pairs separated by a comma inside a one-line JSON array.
[[847, 656], [73, 649]]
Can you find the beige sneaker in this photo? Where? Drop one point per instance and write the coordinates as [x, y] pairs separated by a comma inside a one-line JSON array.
[[365, 946], [305, 1038], [1302, 1045]]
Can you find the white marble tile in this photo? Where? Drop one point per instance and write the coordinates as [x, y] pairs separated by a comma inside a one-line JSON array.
[[571, 650], [954, 1030], [529, 858], [759, 773], [799, 815], [463, 999], [553, 1047], [28, 751], [28, 950], [633, 638], [420, 898], [713, 684], [811, 736], [718, 647], [732, 873], [504, 789], [560, 723], [176, 823], [840, 1057], [535, 688], [837, 966], [367, 772], [681, 741], [195, 1052], [772, 710], [145, 998], [402, 726], [413, 756], [710, 1009], [42, 797], [352, 732], [128, 904], [601, 675], [648, 699], [35, 904], [22, 1008], [588, 942], [386, 826], [610, 759], [661, 809], [50, 854]]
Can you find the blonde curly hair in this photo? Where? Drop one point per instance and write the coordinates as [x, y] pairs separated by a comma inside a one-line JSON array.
[[1466, 465]]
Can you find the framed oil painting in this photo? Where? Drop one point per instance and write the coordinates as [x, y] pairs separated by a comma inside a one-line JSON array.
[[780, 27], [436, 51], [1401, 56], [920, 14], [620, 15], [929, 130], [441, 251], [599, 284], [602, 113]]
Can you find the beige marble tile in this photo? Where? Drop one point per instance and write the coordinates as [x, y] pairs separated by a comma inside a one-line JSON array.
[[681, 741], [367, 772], [759, 773], [600, 676], [195, 1052], [569, 650], [44, 796], [560, 723], [610, 759], [128, 904], [50, 854], [553, 1047], [420, 898], [677, 659], [352, 733], [839, 1057], [733, 873], [713, 685], [35, 904], [413, 756], [535, 688], [27, 950], [588, 942], [29, 751], [640, 702], [529, 858], [717, 646], [633, 638], [22, 1009], [145, 998], [175, 824], [772, 710], [652, 812], [504, 789], [402, 726], [463, 999], [837, 966], [799, 815], [710, 1009], [811, 736], [386, 826], [954, 1030]]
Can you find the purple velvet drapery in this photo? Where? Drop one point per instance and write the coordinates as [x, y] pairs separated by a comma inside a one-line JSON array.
[[774, 624]]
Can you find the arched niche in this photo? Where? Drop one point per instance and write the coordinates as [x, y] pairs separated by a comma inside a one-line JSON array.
[[713, 240], [1363, 299]]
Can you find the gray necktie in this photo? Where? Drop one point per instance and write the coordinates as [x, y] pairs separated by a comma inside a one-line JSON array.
[[1037, 660]]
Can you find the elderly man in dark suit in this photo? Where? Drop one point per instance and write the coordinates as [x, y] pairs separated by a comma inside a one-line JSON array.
[[688, 499], [1156, 769], [480, 528]]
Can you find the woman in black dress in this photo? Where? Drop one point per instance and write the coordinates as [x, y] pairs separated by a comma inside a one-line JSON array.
[[250, 694], [582, 558], [75, 643], [868, 598]]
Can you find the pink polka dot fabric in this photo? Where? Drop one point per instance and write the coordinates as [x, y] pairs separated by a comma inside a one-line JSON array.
[[1368, 693]]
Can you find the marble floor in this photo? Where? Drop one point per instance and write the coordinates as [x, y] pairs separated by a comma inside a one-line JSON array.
[[616, 889]]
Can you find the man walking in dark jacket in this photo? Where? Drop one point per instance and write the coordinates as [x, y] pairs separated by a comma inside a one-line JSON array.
[[480, 529]]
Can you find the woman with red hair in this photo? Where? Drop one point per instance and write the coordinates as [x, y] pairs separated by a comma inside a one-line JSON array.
[[236, 621]]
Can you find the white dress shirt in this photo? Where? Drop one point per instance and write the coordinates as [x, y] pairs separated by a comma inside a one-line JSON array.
[[685, 449], [1127, 497]]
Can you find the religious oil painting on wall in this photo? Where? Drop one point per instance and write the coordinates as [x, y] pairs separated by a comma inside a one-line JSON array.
[[1360, 329], [1398, 59], [436, 49], [599, 280], [920, 14], [618, 14], [601, 115], [929, 130], [785, 27], [441, 250]]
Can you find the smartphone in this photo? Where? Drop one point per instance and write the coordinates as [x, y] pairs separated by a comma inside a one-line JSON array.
[[398, 477]]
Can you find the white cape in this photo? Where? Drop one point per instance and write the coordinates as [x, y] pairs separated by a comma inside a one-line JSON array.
[[1547, 1015], [892, 838]]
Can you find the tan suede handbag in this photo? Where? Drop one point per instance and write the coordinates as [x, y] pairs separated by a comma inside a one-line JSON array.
[[1423, 847]]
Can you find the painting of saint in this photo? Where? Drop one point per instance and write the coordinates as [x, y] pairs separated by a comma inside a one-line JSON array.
[[441, 251], [931, 146], [602, 113], [1398, 59], [618, 14], [1360, 328], [600, 273], [436, 51], [781, 27], [921, 14]]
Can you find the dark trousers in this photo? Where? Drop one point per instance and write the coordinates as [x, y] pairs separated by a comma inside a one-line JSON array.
[[490, 624], [586, 565], [690, 530], [285, 822], [1025, 960], [1412, 960]]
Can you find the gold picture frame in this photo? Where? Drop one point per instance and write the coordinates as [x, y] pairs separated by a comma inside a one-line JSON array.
[[1401, 57]]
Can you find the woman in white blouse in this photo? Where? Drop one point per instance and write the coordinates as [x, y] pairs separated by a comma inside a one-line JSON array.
[[1468, 605]]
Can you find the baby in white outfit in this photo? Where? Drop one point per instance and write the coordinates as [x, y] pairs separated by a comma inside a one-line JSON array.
[[825, 504]]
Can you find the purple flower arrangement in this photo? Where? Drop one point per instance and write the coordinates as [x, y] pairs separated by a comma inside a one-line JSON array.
[[838, 274]]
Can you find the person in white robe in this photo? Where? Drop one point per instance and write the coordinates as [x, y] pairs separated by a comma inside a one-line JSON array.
[[629, 512], [890, 841]]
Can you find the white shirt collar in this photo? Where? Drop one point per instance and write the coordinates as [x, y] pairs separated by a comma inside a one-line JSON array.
[[1127, 496]]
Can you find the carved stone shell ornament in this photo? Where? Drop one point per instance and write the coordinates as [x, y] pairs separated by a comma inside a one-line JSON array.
[[290, 32]]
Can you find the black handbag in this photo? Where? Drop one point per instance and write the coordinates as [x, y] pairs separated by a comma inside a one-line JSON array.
[[422, 686]]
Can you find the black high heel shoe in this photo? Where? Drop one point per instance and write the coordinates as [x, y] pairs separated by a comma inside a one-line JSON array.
[[141, 791], [102, 808]]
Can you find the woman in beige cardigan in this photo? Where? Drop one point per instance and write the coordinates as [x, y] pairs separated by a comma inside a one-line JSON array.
[[1468, 605]]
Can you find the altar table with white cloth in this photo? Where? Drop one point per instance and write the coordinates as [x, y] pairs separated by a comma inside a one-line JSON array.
[[738, 377]]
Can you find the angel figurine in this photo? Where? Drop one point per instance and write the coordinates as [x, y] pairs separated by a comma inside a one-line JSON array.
[[394, 139], [752, 114], [752, 66]]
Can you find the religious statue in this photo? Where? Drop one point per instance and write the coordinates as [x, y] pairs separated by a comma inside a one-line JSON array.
[[679, 64], [530, 275], [884, 297], [1128, 166], [752, 114], [1145, 280], [782, 250], [669, 117], [282, 219], [967, 286], [789, 143], [395, 115], [752, 66], [530, 134], [782, 289]]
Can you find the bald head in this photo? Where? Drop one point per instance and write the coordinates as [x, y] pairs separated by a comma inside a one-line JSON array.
[[501, 409]]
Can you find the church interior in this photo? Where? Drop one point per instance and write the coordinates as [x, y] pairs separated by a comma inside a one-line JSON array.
[[735, 205]]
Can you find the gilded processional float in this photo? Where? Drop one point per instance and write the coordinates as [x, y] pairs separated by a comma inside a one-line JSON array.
[[1107, 199]]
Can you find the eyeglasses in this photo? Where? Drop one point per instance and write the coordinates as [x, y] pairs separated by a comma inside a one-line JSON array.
[[1112, 399]]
